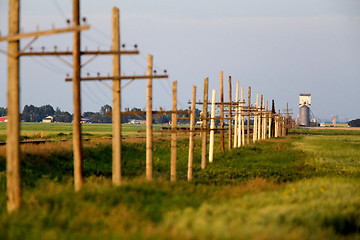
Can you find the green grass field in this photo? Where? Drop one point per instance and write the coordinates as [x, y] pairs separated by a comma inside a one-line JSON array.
[[33, 131], [299, 187]]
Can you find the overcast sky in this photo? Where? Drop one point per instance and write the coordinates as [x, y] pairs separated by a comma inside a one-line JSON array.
[[280, 48]]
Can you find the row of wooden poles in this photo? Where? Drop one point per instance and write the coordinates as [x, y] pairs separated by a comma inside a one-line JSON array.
[[264, 119], [266, 124]]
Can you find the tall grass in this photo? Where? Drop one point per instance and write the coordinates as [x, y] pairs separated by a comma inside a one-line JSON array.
[[298, 187]]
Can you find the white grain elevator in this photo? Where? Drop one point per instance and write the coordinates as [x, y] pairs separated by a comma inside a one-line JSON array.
[[304, 109]]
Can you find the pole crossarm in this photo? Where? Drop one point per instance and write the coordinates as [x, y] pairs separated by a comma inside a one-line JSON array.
[[97, 52], [44, 33], [119, 77]]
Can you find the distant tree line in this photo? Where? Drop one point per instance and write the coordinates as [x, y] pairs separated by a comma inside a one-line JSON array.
[[354, 123], [3, 111], [31, 113]]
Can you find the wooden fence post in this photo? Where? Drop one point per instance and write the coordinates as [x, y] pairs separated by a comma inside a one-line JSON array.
[[173, 133], [191, 135], [149, 132], [212, 128], [204, 125]]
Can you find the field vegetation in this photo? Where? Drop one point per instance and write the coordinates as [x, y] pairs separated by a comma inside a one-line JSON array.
[[303, 186]]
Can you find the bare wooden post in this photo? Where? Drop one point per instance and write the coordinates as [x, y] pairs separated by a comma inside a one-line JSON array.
[[149, 132], [248, 117], [77, 141], [279, 125], [283, 130], [204, 125], [269, 120], [273, 112], [260, 118], [265, 122], [230, 115], [13, 177], [116, 101], [191, 135], [240, 127], [277, 118], [212, 128], [173, 133], [242, 116], [236, 114], [222, 141], [255, 127]]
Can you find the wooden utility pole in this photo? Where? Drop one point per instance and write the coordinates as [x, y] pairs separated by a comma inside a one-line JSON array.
[[222, 140], [191, 134], [78, 158], [272, 119], [264, 124], [230, 115], [149, 133], [236, 114], [212, 127], [248, 117], [260, 118], [13, 177], [204, 125], [255, 126], [116, 101], [242, 119], [173, 133]]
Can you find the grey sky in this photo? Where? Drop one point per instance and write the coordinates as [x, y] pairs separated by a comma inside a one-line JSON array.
[[278, 47]]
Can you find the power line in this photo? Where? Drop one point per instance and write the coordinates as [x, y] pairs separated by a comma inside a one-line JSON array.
[[106, 36], [59, 9], [94, 40], [49, 68]]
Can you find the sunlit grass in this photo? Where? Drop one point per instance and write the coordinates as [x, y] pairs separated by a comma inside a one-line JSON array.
[[298, 187], [309, 209]]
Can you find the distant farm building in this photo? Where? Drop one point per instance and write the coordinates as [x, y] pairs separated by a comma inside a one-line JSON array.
[[134, 121], [4, 119], [85, 120], [48, 119]]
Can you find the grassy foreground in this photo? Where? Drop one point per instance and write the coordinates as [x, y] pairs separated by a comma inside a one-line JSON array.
[[299, 187]]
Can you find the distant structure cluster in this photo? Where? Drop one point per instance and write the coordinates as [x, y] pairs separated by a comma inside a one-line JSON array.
[[304, 109]]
